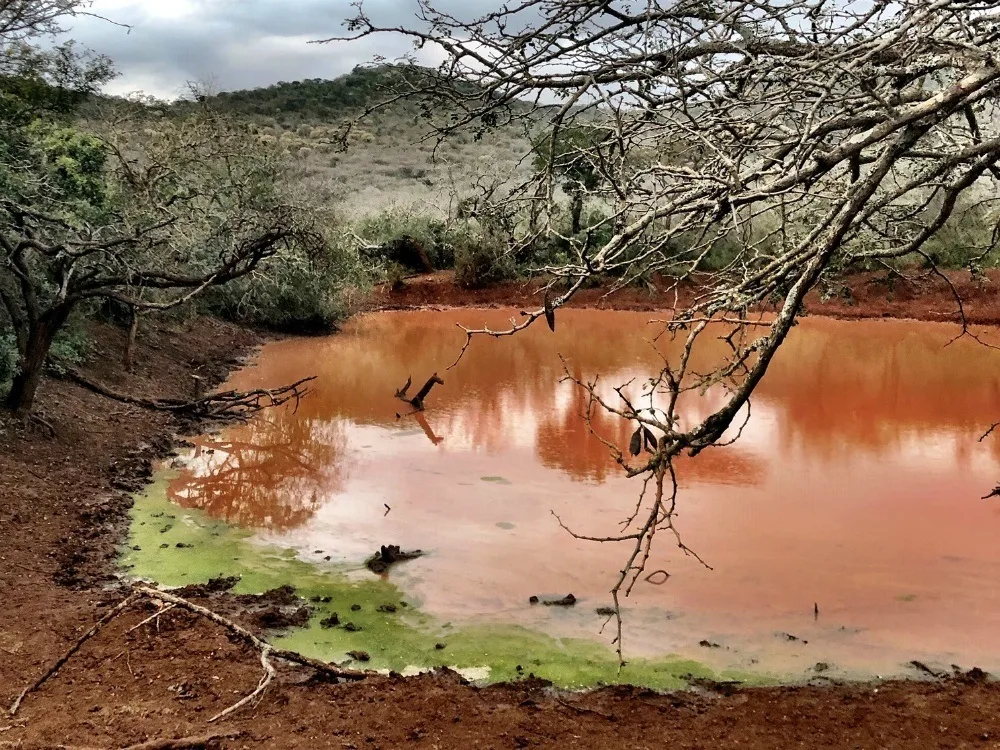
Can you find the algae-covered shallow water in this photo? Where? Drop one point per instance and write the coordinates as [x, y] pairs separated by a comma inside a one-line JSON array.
[[855, 487], [405, 640]]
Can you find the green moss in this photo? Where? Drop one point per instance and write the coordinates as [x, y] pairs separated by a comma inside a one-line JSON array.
[[400, 640]]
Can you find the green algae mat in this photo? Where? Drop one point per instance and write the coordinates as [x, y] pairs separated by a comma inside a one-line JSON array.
[[174, 546]]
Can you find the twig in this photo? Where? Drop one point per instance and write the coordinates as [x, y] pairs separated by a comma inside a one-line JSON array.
[[584, 709], [296, 658], [269, 674], [160, 611], [108, 617]]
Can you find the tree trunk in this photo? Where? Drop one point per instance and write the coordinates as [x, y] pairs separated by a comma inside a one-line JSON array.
[[22, 393], [576, 211], [133, 332]]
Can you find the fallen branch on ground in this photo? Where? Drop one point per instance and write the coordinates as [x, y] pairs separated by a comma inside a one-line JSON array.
[[269, 673], [225, 405], [164, 599], [331, 670], [181, 743], [108, 617]]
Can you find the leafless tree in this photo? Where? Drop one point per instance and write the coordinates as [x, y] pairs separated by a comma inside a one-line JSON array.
[[802, 135], [26, 18]]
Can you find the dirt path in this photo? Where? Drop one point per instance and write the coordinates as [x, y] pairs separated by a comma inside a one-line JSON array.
[[62, 513]]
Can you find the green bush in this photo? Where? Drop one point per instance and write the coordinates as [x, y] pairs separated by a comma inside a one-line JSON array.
[[8, 361], [966, 238], [297, 293], [435, 236], [481, 264], [72, 344]]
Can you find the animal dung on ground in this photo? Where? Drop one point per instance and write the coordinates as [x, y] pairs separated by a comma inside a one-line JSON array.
[[387, 608]]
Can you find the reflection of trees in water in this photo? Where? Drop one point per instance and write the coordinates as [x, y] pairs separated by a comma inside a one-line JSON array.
[[877, 391], [863, 384], [564, 442], [271, 473]]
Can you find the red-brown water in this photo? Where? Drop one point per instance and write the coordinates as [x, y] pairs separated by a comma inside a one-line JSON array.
[[856, 486]]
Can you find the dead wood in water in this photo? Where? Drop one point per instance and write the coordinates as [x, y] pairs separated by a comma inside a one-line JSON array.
[[417, 402], [225, 405]]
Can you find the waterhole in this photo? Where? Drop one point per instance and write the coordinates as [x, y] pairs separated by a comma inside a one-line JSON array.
[[845, 529]]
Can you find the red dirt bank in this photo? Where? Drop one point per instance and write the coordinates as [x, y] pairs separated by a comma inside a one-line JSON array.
[[872, 295], [61, 515]]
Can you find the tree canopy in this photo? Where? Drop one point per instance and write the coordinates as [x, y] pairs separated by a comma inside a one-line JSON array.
[[139, 208]]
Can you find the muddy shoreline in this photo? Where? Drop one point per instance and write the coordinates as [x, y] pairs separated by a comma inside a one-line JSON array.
[[65, 511], [917, 296]]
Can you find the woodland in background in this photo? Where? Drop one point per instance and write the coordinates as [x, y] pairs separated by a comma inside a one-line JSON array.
[[361, 194]]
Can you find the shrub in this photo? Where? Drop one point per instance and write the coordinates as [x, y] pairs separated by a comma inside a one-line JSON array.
[[72, 344], [967, 238], [297, 294], [435, 236], [480, 264], [8, 361]]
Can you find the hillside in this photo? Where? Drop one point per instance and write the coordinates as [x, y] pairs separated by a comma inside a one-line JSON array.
[[389, 163], [316, 99]]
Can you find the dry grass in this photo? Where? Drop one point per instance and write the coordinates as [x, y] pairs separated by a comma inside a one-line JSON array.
[[389, 165]]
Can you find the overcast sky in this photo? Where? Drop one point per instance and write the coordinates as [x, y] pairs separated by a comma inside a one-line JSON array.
[[234, 44]]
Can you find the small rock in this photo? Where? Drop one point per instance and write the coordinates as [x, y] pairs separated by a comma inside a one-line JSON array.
[[359, 655], [440, 646], [350, 627], [182, 545], [821, 666], [708, 644], [330, 622], [387, 608], [532, 600], [355, 608], [606, 611]]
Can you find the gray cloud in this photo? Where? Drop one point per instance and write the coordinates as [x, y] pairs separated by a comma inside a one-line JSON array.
[[234, 44]]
